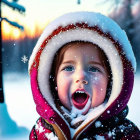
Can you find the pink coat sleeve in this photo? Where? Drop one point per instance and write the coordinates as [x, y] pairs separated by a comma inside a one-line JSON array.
[[39, 131]]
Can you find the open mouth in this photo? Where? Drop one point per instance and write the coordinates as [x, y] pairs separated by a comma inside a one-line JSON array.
[[80, 99]]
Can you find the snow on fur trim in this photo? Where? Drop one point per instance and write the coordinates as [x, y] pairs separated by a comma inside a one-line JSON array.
[[73, 35], [107, 25], [99, 30]]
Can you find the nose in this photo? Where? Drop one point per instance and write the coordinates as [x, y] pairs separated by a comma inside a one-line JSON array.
[[81, 78], [82, 82]]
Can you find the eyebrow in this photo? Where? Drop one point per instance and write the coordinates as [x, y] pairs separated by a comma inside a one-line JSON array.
[[73, 62], [94, 62], [69, 61]]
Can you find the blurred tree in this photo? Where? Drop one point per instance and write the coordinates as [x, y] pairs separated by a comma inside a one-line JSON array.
[[122, 13], [8, 127], [124, 16], [78, 1], [15, 6], [1, 85]]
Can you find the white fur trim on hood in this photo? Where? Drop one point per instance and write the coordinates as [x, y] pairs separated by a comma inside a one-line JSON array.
[[106, 25]]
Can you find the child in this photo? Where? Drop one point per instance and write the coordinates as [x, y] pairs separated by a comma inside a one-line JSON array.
[[82, 73]]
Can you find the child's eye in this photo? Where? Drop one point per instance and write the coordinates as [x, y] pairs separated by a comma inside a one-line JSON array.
[[93, 69], [69, 68]]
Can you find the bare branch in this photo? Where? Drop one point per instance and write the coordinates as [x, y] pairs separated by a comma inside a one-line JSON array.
[[14, 24], [78, 1], [14, 5]]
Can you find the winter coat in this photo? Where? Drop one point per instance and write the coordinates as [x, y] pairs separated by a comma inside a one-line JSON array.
[[107, 121], [117, 128]]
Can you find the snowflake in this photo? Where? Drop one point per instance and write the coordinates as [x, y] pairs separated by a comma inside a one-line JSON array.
[[109, 134], [97, 137], [108, 111], [122, 128], [24, 58], [51, 136], [95, 78], [101, 89], [98, 124]]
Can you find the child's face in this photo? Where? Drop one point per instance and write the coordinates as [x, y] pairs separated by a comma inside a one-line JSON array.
[[82, 70]]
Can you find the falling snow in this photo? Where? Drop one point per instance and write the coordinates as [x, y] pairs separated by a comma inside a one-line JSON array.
[[99, 137], [24, 58], [108, 111], [40, 128], [98, 124], [96, 78], [51, 136], [109, 134], [122, 127]]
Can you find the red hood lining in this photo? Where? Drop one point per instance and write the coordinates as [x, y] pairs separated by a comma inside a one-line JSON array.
[[69, 27]]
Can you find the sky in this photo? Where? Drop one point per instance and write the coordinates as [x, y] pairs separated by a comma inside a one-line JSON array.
[[40, 12]]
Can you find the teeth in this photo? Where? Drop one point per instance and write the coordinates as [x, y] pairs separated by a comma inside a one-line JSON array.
[[79, 92]]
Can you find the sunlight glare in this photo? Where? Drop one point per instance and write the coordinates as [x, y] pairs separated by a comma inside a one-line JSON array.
[[6, 27], [16, 33]]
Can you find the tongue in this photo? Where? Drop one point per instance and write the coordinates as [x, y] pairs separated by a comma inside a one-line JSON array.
[[80, 98]]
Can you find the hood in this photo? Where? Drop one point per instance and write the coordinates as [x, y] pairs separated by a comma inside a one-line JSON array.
[[90, 27]]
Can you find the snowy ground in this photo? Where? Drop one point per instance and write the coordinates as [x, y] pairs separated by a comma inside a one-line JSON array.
[[134, 102], [21, 107]]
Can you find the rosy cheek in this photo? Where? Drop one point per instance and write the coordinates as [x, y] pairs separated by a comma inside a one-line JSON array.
[[98, 90], [63, 85], [98, 80], [95, 79]]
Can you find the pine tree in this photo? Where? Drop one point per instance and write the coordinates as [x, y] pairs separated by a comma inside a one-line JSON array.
[[8, 127], [15, 6]]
